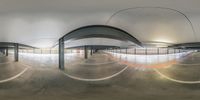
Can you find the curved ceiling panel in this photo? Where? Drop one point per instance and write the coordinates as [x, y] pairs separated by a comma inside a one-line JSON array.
[[151, 25], [41, 42], [26, 20], [31, 28], [99, 41]]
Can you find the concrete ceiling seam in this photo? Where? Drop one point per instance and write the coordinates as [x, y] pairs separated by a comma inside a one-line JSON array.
[[177, 11]]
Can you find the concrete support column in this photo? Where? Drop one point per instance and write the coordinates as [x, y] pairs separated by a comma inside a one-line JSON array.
[[91, 51], [85, 52], [145, 51], [16, 51], [167, 50], [61, 54], [135, 50], [6, 51], [158, 51], [3, 51], [126, 50]]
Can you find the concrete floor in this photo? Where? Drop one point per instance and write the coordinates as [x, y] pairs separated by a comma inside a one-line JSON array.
[[43, 80]]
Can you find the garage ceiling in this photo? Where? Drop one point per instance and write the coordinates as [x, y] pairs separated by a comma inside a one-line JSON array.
[[41, 23]]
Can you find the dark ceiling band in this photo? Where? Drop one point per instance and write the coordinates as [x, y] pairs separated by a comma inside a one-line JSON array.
[[11, 44], [104, 31]]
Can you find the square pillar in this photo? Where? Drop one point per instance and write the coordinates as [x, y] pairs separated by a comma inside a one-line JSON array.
[[91, 51], [167, 50], [16, 52], [135, 50], [61, 54], [85, 52], [145, 51], [6, 51]]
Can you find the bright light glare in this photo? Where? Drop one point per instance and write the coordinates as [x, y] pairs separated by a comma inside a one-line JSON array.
[[149, 59]]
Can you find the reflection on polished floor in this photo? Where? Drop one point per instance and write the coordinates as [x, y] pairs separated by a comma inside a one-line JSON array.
[[41, 80]]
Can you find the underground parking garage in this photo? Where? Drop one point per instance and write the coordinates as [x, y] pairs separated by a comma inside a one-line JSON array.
[[94, 50]]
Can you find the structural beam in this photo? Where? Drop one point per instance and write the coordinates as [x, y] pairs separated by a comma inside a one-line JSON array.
[[61, 54], [101, 31]]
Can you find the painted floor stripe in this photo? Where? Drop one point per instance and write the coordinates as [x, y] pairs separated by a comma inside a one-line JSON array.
[[93, 80], [99, 63], [16, 76], [175, 80], [188, 64], [6, 62]]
